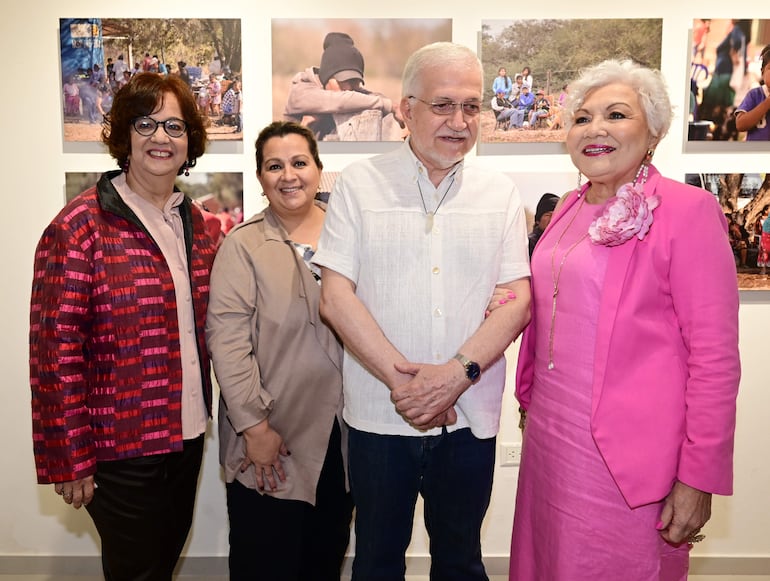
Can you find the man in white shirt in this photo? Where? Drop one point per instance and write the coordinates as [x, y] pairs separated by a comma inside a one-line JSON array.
[[413, 246], [119, 68]]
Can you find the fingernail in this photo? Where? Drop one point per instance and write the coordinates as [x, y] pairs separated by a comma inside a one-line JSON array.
[[659, 526], [502, 301], [511, 296], [486, 314]]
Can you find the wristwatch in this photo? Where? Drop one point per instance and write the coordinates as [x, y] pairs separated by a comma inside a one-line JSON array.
[[472, 369]]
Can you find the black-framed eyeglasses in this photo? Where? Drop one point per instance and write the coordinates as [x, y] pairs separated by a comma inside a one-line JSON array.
[[470, 108], [148, 126]]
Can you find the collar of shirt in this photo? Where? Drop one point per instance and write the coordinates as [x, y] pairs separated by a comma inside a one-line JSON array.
[[133, 199], [421, 170]]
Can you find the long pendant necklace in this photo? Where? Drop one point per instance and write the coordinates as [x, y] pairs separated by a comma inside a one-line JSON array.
[[430, 215], [556, 276]]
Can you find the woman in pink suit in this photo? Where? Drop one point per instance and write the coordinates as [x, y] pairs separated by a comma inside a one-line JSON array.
[[628, 372]]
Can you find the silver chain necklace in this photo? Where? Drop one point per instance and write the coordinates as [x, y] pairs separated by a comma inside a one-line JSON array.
[[430, 215]]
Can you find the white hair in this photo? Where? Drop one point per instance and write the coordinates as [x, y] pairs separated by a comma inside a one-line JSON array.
[[646, 82], [437, 54]]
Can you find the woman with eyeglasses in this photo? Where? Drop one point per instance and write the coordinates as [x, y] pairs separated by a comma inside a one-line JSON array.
[[121, 389]]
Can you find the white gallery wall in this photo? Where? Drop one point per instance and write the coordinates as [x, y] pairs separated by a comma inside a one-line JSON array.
[[36, 523]]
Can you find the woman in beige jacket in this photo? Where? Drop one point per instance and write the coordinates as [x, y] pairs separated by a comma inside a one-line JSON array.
[[282, 438]]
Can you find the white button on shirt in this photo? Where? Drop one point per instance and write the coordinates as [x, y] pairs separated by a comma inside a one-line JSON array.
[[428, 291]]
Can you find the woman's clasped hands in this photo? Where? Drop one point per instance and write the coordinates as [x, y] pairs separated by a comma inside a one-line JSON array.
[[264, 448]]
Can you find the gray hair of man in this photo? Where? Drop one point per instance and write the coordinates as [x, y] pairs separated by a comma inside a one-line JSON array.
[[647, 83], [438, 54]]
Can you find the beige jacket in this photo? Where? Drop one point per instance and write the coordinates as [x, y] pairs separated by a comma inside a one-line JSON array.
[[273, 357]]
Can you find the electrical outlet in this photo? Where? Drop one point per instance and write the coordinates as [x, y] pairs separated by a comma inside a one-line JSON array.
[[510, 454]]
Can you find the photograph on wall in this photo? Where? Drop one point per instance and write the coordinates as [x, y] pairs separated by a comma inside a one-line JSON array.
[[343, 80], [100, 55], [729, 72], [539, 194], [745, 201], [218, 194], [528, 65]]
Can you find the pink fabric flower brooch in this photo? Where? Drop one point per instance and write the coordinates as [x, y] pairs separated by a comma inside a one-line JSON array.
[[626, 215]]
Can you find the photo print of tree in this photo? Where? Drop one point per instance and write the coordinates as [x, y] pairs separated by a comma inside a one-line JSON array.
[[99, 55], [745, 201], [548, 53]]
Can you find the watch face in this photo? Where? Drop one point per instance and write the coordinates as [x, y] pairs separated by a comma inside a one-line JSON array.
[[472, 370]]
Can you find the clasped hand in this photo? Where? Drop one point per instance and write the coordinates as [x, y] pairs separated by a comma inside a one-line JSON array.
[[427, 400], [264, 448]]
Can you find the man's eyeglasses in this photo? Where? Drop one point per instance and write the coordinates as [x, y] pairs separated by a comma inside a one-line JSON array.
[[469, 108], [148, 126]]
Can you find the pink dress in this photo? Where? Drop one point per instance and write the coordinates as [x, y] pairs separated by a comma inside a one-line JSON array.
[[571, 521]]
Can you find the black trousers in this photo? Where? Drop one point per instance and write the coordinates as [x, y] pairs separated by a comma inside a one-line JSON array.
[[291, 540], [143, 509]]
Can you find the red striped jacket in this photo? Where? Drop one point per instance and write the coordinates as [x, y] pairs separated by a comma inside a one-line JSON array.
[[105, 361]]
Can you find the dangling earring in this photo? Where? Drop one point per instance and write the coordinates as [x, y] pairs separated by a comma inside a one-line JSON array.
[[186, 167], [644, 169], [125, 165], [580, 179]]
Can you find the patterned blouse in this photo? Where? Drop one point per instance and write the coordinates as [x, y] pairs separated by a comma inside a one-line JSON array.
[[306, 253]]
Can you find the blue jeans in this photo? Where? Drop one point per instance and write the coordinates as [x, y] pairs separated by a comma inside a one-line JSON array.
[[452, 472]]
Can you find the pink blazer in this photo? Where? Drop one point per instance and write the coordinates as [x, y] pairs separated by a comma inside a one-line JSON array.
[[666, 368]]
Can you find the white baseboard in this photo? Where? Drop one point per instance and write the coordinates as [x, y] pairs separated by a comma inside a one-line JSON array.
[[416, 565]]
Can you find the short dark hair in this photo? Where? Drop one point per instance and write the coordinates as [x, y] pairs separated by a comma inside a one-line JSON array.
[[281, 129], [765, 57], [142, 95]]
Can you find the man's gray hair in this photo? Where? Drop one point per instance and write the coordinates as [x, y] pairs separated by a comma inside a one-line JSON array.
[[437, 54]]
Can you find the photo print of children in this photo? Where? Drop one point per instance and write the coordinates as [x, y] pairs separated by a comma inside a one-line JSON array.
[[548, 57], [728, 80]]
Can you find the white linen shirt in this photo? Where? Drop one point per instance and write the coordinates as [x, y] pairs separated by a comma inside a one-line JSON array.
[[427, 290]]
